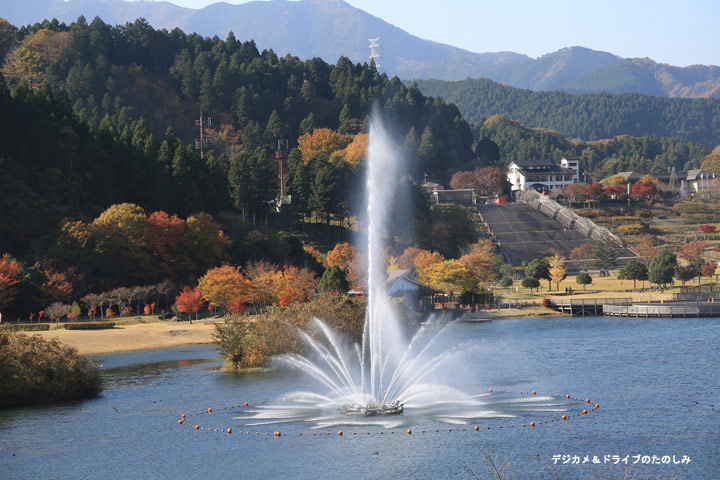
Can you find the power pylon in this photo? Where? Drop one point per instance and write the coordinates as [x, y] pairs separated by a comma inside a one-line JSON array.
[[374, 55]]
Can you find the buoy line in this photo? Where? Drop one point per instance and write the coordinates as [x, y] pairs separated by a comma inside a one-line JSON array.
[[591, 407]]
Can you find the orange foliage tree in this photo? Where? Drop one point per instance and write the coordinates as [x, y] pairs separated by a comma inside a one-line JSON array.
[[692, 249], [645, 247], [342, 255], [163, 236], [8, 280], [265, 279], [297, 285], [221, 285], [425, 259], [322, 141], [57, 286], [407, 259], [190, 300], [356, 152], [321, 259], [584, 255]]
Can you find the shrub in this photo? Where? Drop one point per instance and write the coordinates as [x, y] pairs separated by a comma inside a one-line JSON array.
[[30, 327], [631, 229], [245, 343], [547, 303], [35, 370], [89, 326]]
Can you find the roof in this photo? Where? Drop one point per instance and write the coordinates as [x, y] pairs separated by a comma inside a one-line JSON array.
[[550, 170], [532, 163]]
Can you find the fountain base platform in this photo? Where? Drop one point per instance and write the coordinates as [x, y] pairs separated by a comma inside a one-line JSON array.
[[373, 409]]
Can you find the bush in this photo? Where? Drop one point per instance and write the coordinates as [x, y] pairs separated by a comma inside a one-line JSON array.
[[28, 327], [89, 326], [547, 303], [35, 370], [244, 343], [631, 229]]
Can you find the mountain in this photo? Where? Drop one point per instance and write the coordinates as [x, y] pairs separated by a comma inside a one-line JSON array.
[[589, 116], [581, 70], [327, 29]]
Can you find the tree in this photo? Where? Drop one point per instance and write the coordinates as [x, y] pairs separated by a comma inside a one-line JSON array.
[[661, 268], [684, 274], [607, 254], [264, 278], [356, 151], [190, 300], [583, 255], [407, 259], [334, 280], [9, 279], [557, 269], [163, 236], [539, 269], [645, 247], [583, 279], [530, 282], [708, 269], [634, 271], [506, 282], [692, 249], [644, 189], [448, 276], [221, 285], [322, 141], [707, 229], [342, 255]]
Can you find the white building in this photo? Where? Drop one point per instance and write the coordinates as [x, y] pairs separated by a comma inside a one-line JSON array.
[[543, 175]]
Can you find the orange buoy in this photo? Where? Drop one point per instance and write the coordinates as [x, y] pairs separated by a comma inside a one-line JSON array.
[[477, 428], [564, 417], [587, 400], [409, 432], [229, 431], [597, 406], [197, 427], [340, 433], [534, 392], [183, 415], [532, 424], [584, 412], [490, 389], [567, 396], [246, 404], [209, 410], [180, 422]]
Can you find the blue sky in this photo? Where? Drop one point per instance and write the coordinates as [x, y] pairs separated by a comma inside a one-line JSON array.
[[679, 32]]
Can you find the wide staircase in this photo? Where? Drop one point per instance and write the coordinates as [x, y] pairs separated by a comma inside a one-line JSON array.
[[524, 233]]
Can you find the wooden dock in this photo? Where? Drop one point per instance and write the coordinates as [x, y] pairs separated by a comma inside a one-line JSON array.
[[665, 310], [587, 306]]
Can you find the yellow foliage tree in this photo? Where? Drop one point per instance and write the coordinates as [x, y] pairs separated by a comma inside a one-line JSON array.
[[557, 269], [342, 255], [30, 60], [221, 285], [449, 276], [356, 152], [712, 161], [322, 141], [424, 259], [616, 180]]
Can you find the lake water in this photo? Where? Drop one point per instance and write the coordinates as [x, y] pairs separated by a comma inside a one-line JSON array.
[[657, 383]]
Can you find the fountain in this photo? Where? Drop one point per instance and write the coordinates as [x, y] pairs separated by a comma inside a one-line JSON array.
[[386, 376]]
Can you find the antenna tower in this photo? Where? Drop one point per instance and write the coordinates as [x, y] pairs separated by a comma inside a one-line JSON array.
[[202, 123], [374, 55], [673, 182]]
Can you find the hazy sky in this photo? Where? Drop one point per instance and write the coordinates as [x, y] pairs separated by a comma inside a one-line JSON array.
[[679, 32]]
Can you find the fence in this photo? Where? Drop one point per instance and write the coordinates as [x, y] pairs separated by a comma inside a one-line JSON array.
[[566, 216]]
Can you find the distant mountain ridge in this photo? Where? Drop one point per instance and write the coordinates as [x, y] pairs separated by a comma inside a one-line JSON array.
[[332, 28]]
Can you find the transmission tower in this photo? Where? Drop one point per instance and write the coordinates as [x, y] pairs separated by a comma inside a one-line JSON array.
[[202, 123], [673, 182], [374, 55]]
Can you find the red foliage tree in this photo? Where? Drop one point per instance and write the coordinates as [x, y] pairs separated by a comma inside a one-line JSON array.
[[644, 189], [9, 279], [189, 300], [484, 180], [692, 249], [708, 269], [237, 306], [163, 236], [614, 190], [147, 309], [578, 190]]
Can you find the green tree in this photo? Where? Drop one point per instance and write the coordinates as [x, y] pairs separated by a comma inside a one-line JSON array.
[[539, 269], [661, 268], [530, 282], [334, 279], [607, 255], [634, 271], [684, 274], [583, 279]]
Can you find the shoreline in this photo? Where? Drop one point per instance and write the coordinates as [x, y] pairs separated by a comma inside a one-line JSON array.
[[127, 338]]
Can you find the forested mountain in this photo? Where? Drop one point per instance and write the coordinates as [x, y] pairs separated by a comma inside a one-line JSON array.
[[599, 158], [328, 29], [585, 116], [581, 70]]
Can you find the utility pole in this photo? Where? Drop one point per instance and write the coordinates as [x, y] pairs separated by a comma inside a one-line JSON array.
[[280, 156], [374, 55], [202, 143]]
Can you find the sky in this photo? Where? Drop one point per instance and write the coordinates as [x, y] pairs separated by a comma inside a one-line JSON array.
[[678, 32]]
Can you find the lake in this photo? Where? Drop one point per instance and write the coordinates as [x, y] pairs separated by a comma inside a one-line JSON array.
[[656, 381]]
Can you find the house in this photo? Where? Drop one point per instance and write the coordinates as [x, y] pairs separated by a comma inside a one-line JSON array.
[[416, 296], [543, 175], [461, 197], [682, 183]]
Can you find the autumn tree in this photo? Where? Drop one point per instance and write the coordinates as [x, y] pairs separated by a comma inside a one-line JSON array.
[[322, 141], [708, 269], [707, 229], [265, 279], [295, 285], [9, 280], [207, 243], [484, 180], [692, 249], [190, 300], [221, 285], [407, 259], [583, 255], [645, 247], [163, 236], [448, 276], [557, 269], [356, 151], [644, 189]]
